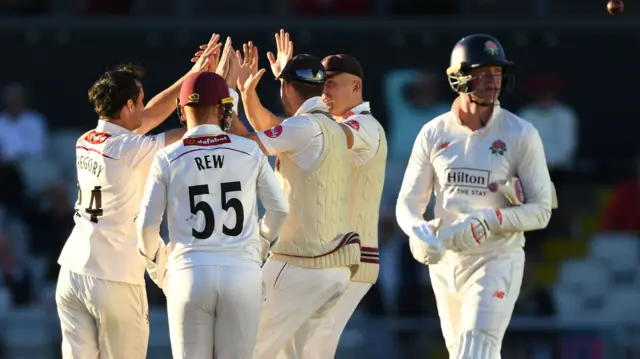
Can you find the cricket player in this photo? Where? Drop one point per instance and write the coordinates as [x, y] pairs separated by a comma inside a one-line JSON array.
[[313, 259], [474, 248], [208, 183], [100, 295], [368, 149]]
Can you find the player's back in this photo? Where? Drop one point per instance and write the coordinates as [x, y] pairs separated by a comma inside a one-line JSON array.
[[112, 165], [211, 200]]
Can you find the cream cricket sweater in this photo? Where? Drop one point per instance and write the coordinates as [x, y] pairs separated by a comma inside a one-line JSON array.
[[365, 196], [316, 234]]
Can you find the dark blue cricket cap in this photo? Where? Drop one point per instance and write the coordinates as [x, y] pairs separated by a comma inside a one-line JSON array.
[[304, 68]]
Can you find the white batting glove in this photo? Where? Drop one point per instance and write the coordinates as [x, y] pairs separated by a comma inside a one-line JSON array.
[[471, 229], [157, 268], [425, 247]]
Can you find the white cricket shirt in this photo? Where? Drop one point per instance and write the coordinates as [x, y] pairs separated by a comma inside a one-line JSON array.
[[299, 136], [112, 165], [366, 133], [458, 164], [208, 183]]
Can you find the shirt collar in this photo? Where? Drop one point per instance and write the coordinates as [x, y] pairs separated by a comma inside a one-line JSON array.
[[203, 130], [112, 128], [314, 103], [495, 114], [359, 108]]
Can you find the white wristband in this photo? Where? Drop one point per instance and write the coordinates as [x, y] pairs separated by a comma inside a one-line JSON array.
[[236, 99]]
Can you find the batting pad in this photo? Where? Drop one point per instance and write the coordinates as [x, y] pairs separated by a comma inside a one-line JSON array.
[[475, 345]]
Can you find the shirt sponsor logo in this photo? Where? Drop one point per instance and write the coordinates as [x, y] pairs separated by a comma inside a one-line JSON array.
[[468, 177], [96, 138], [274, 132], [444, 145], [468, 181], [207, 141]]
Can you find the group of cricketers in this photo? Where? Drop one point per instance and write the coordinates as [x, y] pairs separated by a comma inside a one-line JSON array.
[[285, 285]]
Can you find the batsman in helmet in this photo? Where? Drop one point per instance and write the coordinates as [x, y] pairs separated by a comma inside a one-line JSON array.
[[491, 182]]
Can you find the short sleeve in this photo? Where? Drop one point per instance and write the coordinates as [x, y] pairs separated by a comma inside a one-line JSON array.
[[292, 135], [140, 150], [366, 133]]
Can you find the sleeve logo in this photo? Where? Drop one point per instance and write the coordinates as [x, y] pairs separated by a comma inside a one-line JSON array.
[[353, 124], [274, 132]]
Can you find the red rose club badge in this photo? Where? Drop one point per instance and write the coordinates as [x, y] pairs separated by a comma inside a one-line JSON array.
[[498, 148], [491, 48]]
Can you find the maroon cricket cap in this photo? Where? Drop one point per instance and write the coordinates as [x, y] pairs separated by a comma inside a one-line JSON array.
[[204, 89], [342, 63]]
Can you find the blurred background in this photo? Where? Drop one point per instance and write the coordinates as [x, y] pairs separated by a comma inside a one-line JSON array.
[[576, 70]]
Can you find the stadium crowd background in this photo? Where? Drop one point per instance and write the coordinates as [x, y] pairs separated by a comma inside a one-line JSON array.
[[576, 82]]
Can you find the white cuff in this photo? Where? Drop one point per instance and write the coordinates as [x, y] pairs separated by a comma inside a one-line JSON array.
[[494, 219], [236, 99]]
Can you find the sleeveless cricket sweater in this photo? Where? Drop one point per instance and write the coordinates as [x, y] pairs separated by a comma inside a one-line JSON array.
[[316, 233], [364, 212]]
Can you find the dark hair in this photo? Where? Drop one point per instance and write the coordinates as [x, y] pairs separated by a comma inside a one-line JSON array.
[[114, 88], [306, 91]]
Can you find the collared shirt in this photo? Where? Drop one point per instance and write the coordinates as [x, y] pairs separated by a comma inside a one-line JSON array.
[[459, 164], [209, 183], [299, 136], [112, 165]]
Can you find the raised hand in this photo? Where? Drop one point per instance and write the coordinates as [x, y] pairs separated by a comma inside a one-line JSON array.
[[248, 63], [223, 66], [251, 82], [209, 56], [284, 51], [233, 70]]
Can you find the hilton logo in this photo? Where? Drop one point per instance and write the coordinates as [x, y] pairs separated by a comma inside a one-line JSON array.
[[467, 177]]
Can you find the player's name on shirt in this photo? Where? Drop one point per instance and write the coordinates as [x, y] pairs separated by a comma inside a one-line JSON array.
[[88, 164], [207, 162]]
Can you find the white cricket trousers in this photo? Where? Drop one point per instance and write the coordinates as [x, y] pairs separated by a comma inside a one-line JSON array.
[[324, 343], [101, 318], [477, 293], [297, 301], [214, 311]]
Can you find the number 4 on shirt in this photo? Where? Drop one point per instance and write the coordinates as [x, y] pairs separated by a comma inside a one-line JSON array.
[[95, 203]]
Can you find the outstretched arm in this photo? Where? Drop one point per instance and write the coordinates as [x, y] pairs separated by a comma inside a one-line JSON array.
[[161, 106]]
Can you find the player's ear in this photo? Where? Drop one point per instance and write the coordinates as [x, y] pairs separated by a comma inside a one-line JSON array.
[[357, 86], [130, 104]]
